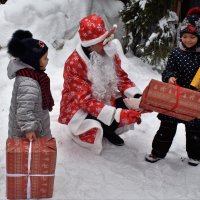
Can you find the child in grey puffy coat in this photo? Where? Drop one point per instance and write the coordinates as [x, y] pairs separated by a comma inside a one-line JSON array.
[[31, 97]]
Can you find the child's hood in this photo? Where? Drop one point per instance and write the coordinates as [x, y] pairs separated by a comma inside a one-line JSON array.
[[14, 65]]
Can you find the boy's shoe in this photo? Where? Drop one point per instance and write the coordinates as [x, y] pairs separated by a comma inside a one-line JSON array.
[[152, 158], [114, 139], [193, 162]]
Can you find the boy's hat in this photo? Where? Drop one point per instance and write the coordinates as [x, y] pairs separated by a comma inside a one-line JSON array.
[[92, 30], [27, 49], [191, 23]]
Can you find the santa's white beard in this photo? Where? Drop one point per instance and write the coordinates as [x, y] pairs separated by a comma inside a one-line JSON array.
[[103, 77]]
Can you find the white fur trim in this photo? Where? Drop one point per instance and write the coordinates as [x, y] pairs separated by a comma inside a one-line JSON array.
[[107, 115], [117, 114], [130, 92], [76, 121], [82, 54], [86, 125], [92, 42]]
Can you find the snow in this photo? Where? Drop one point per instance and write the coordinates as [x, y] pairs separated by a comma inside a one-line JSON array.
[[152, 37], [168, 20], [142, 3], [119, 173]]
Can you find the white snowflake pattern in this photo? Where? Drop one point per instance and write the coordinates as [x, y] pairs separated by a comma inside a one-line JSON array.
[[74, 85], [80, 66], [184, 24], [89, 32], [75, 58], [89, 23], [71, 115], [74, 70], [68, 67], [78, 96], [99, 27], [72, 94], [68, 79], [98, 109], [68, 110], [85, 34], [197, 24], [79, 87], [64, 120]]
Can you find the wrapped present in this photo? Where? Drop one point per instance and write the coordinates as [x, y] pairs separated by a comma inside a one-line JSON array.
[[30, 168], [171, 100], [196, 80]]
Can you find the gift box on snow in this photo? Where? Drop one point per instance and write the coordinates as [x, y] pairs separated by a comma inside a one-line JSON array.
[[30, 168], [171, 100]]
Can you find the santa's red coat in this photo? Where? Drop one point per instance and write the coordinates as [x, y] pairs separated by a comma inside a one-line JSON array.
[[77, 100]]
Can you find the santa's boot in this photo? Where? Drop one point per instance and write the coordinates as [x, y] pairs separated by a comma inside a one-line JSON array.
[[114, 139]]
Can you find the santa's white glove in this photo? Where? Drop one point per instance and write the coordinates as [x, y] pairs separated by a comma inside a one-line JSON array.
[[133, 103]]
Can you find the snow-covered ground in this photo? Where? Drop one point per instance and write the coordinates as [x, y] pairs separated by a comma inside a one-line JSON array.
[[119, 173]]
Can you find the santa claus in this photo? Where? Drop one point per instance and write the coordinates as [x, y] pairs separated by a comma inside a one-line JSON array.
[[94, 87]]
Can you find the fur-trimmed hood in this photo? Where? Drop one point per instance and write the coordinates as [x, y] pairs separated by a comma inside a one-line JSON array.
[[14, 65]]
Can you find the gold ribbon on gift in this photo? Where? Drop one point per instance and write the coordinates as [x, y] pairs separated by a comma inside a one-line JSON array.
[[196, 80], [29, 175]]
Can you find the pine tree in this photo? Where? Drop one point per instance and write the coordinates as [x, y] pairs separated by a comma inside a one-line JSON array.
[[151, 29]]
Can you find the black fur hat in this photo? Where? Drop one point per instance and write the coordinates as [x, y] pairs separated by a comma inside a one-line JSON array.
[[27, 49]]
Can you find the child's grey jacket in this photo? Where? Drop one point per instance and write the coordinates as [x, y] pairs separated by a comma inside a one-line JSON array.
[[26, 112]]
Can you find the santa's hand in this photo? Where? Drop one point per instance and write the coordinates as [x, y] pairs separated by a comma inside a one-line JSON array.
[[133, 103], [110, 35], [126, 117]]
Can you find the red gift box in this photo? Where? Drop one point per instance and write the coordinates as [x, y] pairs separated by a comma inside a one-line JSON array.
[[30, 168], [171, 100]]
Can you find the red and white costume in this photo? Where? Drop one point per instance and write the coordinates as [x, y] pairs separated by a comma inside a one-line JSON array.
[[78, 101]]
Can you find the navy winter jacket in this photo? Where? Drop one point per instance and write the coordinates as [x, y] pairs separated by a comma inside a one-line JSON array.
[[183, 65]]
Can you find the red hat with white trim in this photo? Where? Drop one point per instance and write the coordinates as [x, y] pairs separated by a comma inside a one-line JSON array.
[[92, 30]]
